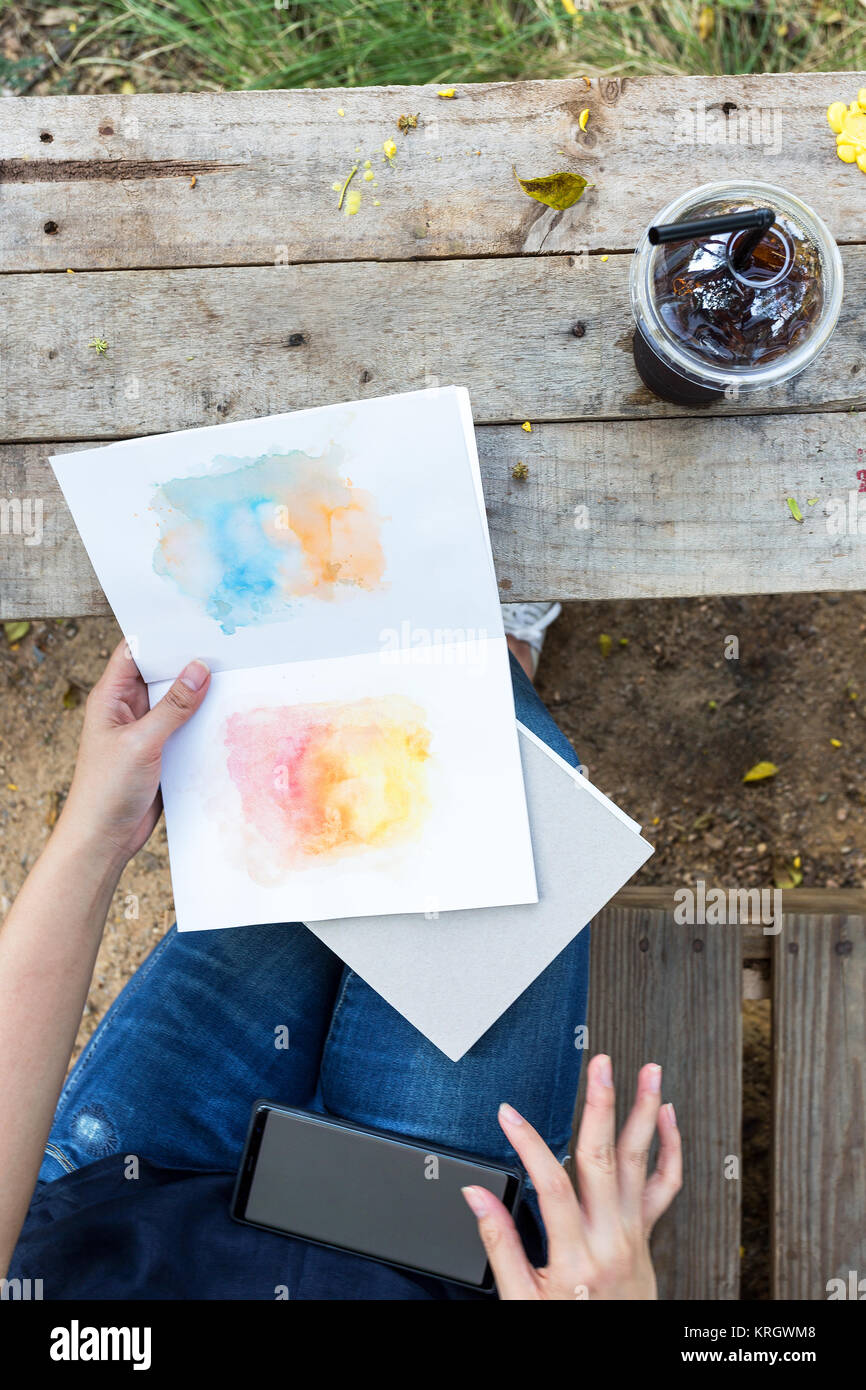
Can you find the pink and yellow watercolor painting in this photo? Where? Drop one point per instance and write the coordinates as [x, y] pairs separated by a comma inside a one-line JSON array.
[[251, 537], [321, 781]]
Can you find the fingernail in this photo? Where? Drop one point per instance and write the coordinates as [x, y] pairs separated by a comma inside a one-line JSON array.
[[654, 1077], [672, 1114], [510, 1115], [604, 1071], [476, 1200], [194, 675]]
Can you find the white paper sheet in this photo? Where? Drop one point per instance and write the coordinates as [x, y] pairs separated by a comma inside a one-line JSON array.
[[235, 861], [414, 477], [453, 976], [356, 751]]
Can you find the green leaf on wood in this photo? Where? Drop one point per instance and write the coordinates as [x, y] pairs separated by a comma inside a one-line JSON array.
[[15, 631], [558, 191]]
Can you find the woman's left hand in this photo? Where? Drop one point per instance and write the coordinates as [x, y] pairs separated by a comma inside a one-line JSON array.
[[597, 1247], [114, 802]]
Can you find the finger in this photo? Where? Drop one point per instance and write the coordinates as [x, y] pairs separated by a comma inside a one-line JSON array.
[[181, 700], [560, 1213], [595, 1155], [667, 1179], [632, 1150], [124, 680], [514, 1275], [121, 673]]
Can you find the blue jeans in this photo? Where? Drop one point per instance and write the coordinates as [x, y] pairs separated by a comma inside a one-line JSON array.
[[174, 1067]]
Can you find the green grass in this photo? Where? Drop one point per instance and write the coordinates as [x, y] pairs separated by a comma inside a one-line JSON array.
[[238, 44]]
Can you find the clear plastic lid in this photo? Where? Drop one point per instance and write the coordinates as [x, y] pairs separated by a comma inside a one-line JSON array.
[[719, 323]]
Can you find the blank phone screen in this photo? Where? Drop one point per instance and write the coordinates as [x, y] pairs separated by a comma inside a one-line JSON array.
[[396, 1201]]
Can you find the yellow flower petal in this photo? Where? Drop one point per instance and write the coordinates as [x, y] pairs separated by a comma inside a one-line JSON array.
[[836, 115], [446, 92], [706, 23], [836, 742], [847, 153], [583, 118], [526, 426], [760, 771]]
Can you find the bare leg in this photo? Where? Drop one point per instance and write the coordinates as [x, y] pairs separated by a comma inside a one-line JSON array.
[[522, 653]]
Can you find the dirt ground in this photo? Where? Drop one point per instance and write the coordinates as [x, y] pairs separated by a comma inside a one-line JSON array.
[[666, 723]]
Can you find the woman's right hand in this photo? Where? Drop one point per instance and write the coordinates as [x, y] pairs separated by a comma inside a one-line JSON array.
[[114, 801], [597, 1246]]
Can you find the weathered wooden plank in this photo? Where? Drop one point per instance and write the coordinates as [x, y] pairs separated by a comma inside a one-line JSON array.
[[104, 181], [675, 507], [191, 347], [823, 903], [819, 1160], [672, 507], [672, 994]]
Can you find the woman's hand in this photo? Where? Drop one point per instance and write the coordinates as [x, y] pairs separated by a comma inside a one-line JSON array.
[[114, 800], [597, 1247]]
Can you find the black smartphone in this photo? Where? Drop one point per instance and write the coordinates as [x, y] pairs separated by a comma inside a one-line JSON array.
[[362, 1190]]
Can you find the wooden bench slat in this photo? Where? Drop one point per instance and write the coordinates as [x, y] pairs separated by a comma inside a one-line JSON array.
[[819, 1106], [824, 903], [672, 994], [115, 177], [193, 347], [674, 507]]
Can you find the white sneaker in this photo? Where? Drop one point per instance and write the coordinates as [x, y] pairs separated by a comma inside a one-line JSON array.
[[528, 623]]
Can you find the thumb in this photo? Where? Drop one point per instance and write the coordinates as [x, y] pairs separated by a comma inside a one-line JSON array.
[[181, 700], [514, 1275]]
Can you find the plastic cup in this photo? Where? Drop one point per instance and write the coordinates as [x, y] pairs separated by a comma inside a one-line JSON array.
[[706, 330]]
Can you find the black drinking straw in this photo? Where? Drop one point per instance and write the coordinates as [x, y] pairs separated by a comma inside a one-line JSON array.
[[758, 222]]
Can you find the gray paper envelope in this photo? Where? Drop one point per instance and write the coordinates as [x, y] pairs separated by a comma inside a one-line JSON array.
[[453, 976]]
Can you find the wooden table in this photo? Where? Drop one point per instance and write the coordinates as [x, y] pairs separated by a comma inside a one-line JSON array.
[[208, 250]]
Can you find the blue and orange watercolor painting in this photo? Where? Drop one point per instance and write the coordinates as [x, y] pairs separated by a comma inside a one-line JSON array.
[[252, 537]]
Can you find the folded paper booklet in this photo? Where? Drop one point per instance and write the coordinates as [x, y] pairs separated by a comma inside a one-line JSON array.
[[452, 976], [356, 753]]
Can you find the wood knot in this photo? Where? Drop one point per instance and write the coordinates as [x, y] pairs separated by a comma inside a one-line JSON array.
[[295, 340], [46, 137], [50, 228], [578, 329], [843, 948]]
